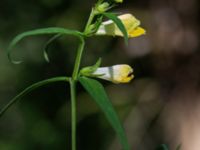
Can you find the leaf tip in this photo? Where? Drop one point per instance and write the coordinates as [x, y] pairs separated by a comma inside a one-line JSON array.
[[46, 57]]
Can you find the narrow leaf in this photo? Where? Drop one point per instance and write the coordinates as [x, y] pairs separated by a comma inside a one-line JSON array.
[[31, 88], [43, 31], [46, 46], [119, 24], [96, 90]]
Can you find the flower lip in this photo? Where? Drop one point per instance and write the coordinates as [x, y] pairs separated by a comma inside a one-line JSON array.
[[130, 74]]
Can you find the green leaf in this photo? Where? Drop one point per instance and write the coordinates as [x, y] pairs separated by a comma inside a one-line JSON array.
[[46, 46], [96, 90], [119, 24], [43, 31], [31, 88]]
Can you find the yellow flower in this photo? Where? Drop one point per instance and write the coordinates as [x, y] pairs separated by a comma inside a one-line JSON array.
[[117, 74], [131, 24]]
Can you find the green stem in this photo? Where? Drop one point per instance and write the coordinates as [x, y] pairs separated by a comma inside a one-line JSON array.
[[73, 112], [82, 44], [74, 79], [78, 59]]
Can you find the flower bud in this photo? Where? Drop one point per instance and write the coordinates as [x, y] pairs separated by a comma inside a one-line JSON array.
[[103, 7]]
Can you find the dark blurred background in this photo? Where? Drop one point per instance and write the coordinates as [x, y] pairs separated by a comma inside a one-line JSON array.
[[160, 106]]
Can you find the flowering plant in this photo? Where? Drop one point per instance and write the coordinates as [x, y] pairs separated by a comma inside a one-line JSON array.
[[126, 26]]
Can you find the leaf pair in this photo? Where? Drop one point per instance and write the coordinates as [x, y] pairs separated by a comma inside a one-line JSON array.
[[43, 31], [59, 32]]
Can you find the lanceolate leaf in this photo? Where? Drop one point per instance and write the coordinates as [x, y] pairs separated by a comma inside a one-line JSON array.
[[46, 46], [119, 24], [31, 88], [96, 90], [43, 31]]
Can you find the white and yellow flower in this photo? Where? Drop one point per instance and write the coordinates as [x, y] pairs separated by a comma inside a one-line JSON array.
[[117, 74], [131, 24]]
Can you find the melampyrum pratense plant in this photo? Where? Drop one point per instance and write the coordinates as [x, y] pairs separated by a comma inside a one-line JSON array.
[[126, 26]]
